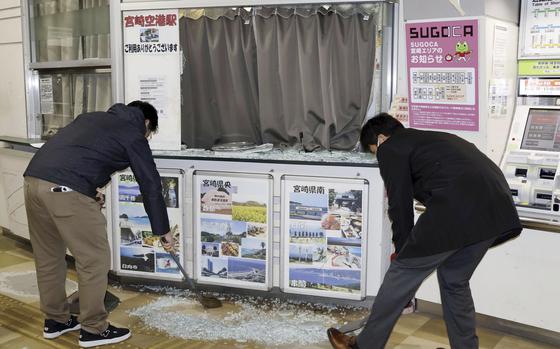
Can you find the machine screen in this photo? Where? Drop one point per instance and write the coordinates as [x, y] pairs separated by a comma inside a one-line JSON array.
[[542, 131]]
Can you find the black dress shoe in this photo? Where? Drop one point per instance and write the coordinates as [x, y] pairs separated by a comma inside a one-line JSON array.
[[341, 341]]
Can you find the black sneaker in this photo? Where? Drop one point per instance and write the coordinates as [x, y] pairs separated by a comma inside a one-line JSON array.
[[54, 329], [110, 336]]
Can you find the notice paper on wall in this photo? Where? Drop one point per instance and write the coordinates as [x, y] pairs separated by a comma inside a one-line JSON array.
[[153, 90], [46, 95], [500, 91], [442, 62], [152, 69]]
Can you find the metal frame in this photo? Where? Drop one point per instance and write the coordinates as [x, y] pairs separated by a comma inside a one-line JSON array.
[[116, 62], [79, 63], [390, 18], [32, 68], [117, 56], [266, 286], [31, 78]]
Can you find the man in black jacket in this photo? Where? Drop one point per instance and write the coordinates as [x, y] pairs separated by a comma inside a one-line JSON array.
[[468, 209], [61, 185]]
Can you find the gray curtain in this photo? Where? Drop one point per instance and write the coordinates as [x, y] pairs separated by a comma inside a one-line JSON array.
[[315, 76], [219, 82], [285, 72]]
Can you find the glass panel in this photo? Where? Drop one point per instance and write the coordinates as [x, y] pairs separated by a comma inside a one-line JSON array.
[[72, 94], [69, 29]]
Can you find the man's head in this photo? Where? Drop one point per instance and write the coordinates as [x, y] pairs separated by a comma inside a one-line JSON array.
[[150, 116], [377, 130]]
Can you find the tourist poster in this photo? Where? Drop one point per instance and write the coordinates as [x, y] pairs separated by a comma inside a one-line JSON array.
[[139, 250], [324, 236], [232, 218]]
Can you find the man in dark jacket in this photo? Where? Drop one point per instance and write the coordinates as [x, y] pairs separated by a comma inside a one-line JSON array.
[[468, 209], [61, 185]]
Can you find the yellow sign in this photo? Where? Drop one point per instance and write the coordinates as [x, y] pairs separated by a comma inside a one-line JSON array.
[[539, 67]]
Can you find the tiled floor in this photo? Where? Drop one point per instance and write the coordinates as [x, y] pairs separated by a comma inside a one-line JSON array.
[[21, 321]]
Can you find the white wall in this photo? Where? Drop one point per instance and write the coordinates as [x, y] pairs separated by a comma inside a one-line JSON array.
[[12, 207], [517, 281], [12, 86]]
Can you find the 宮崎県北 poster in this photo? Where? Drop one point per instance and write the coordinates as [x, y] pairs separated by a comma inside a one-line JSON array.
[[140, 251]]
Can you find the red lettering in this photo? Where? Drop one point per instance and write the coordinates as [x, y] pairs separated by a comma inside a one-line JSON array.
[[171, 20], [129, 21], [150, 21], [139, 20], [160, 20]]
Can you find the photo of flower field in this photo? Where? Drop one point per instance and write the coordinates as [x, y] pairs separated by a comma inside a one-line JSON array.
[[250, 211]]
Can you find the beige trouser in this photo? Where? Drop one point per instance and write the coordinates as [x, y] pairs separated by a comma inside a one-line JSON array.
[[73, 220]]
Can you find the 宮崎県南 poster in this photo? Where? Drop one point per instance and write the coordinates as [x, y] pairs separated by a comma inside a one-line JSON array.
[[324, 234]]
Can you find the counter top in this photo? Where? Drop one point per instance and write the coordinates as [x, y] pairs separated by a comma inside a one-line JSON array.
[[21, 141], [291, 156], [288, 156]]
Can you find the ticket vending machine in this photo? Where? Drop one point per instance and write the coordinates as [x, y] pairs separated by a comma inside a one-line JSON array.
[[531, 163]]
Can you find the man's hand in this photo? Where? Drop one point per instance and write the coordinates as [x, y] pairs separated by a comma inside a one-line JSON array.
[[100, 198], [168, 242]]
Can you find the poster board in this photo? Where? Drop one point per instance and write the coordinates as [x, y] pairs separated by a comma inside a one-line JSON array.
[[233, 229], [138, 252], [324, 236], [152, 69], [539, 29], [442, 66]]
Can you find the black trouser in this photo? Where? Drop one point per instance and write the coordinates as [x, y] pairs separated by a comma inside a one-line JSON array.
[[404, 277]]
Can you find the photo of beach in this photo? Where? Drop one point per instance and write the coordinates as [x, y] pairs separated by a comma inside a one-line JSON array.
[[338, 280], [253, 248], [244, 269]]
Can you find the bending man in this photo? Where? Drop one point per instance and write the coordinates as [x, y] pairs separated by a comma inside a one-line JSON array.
[[468, 210], [60, 198]]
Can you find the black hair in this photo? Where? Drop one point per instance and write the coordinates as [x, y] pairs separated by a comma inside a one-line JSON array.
[[150, 113], [382, 123]]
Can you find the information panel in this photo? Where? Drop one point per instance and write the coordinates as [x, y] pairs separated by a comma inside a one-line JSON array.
[[542, 131], [324, 236], [233, 229], [540, 29], [139, 251], [442, 61], [152, 69]]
